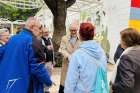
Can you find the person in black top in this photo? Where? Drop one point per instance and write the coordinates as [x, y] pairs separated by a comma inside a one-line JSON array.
[[118, 53], [48, 51]]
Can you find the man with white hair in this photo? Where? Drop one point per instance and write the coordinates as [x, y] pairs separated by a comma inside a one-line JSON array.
[[22, 68], [4, 36], [69, 44], [49, 53]]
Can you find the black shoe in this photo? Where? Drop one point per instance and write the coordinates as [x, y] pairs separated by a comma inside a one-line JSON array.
[[61, 89], [47, 92]]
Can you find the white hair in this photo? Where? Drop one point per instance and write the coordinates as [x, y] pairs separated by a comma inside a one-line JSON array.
[[3, 30]]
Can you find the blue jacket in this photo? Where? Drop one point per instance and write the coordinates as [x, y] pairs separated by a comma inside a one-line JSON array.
[[19, 69], [81, 75]]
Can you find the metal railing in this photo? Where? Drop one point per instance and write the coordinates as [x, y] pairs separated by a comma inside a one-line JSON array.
[[23, 4]]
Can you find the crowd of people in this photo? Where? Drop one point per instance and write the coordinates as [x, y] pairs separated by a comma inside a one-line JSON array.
[[27, 61]]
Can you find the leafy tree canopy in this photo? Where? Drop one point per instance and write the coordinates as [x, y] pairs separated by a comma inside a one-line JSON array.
[[13, 13]]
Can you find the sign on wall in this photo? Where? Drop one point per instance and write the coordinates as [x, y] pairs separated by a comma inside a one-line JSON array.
[[134, 21]]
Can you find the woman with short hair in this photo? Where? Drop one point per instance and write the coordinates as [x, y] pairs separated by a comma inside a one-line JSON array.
[[128, 71], [82, 70]]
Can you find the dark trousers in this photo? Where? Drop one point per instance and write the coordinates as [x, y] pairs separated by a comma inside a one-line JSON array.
[[61, 89]]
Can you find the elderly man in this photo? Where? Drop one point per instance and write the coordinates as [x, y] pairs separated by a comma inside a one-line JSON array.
[[22, 63], [48, 49], [4, 36], [69, 44], [49, 53]]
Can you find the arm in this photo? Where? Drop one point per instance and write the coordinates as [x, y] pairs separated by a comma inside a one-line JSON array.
[[63, 48], [38, 69], [125, 76], [72, 76]]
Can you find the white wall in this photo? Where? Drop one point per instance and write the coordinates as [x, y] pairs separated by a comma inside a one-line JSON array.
[[117, 12]]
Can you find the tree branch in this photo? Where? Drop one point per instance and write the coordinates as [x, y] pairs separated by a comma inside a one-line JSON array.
[[70, 3], [52, 5]]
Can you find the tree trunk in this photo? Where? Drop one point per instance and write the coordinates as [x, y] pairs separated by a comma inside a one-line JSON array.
[[59, 11], [59, 24]]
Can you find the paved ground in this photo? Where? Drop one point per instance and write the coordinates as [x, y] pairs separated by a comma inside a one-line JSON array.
[[56, 77]]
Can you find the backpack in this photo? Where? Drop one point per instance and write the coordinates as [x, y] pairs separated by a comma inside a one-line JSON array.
[[101, 83]]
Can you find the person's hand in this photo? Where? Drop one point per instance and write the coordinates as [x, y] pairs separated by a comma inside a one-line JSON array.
[[54, 63], [53, 84], [111, 90]]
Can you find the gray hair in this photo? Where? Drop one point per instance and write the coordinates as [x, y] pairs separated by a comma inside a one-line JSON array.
[[3, 30]]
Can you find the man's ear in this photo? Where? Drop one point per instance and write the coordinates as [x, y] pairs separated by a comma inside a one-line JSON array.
[[31, 27]]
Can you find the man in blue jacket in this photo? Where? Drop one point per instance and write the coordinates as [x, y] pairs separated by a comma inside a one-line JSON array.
[[21, 63]]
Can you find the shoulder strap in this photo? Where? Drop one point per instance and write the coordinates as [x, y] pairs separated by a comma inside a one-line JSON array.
[[101, 85], [93, 59]]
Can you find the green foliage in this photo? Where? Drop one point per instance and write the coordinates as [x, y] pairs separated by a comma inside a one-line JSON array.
[[13, 13], [84, 15], [103, 40]]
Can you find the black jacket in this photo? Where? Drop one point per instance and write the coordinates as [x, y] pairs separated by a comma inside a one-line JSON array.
[[48, 53], [118, 53], [128, 72]]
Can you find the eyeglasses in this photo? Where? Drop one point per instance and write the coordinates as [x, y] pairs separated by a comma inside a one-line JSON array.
[[40, 27], [73, 30], [4, 35], [37, 27]]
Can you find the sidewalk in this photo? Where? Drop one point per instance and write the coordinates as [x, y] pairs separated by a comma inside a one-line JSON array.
[[56, 77]]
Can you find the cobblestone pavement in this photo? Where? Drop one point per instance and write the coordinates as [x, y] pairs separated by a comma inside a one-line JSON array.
[[56, 77]]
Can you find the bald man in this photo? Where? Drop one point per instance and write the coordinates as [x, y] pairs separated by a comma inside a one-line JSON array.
[[69, 44], [22, 68]]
